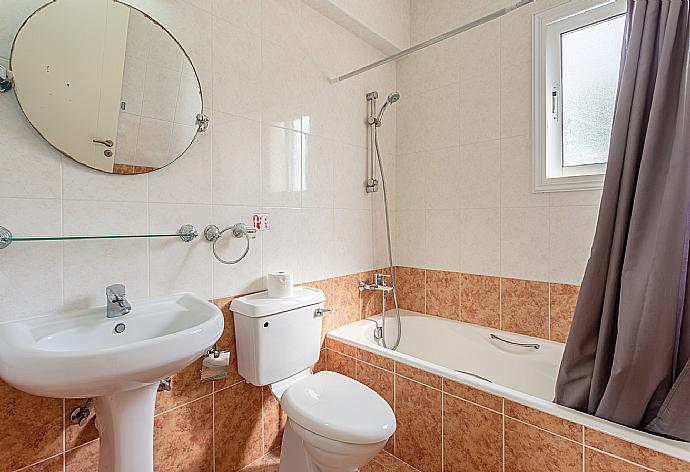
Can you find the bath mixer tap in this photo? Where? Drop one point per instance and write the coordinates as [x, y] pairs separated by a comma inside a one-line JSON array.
[[379, 284], [116, 303]]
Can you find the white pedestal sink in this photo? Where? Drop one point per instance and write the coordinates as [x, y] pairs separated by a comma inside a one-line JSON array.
[[82, 355]]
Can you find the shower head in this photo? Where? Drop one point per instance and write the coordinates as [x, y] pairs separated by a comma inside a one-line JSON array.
[[392, 98]]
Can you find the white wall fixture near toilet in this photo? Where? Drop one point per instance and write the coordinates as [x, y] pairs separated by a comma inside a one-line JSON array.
[[335, 424]]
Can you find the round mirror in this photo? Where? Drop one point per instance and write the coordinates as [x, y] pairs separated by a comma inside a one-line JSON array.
[[106, 85]]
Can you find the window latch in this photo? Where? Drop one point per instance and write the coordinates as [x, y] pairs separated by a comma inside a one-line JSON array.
[[554, 102]]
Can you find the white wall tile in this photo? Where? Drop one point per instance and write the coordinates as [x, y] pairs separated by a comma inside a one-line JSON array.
[[236, 70], [516, 174], [571, 231], [245, 276], [350, 176], [31, 272], [525, 243], [442, 177], [90, 266], [188, 179], [443, 239], [30, 166], [481, 241], [353, 245], [236, 160], [281, 167], [318, 184], [410, 245], [177, 266], [281, 243], [243, 13], [82, 183], [480, 175], [317, 243]]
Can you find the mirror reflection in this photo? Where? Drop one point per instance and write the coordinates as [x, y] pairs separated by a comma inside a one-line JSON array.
[[106, 85]]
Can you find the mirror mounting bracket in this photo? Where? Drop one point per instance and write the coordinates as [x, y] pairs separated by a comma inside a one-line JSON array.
[[202, 122], [5, 79]]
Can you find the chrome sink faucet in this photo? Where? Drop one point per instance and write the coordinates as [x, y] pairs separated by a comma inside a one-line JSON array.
[[379, 284], [116, 303]]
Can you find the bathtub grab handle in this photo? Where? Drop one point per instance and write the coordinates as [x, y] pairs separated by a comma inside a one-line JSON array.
[[498, 338]]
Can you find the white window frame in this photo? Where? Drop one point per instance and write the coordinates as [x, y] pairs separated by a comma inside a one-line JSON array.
[[549, 173]]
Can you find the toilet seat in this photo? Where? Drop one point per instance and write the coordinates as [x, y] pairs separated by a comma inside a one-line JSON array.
[[338, 408]]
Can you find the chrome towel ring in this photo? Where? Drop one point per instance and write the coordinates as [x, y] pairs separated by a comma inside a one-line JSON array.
[[213, 233]]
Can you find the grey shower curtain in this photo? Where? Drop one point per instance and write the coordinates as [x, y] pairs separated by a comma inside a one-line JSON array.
[[626, 359]]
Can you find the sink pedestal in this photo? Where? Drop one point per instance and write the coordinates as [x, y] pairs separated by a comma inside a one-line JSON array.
[[125, 425]]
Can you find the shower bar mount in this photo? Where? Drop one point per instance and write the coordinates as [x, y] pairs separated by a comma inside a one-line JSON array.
[[186, 233], [432, 41]]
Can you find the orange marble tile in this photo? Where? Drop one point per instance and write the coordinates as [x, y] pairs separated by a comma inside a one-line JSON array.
[[379, 380], [563, 300], [83, 458], [186, 387], [474, 395], [418, 437], [76, 435], [326, 286], [382, 382], [344, 348], [36, 431], [634, 453], [183, 438], [443, 294], [472, 437], [274, 419], [554, 424], [238, 427], [227, 343], [480, 300], [410, 287], [373, 466], [596, 461], [268, 463], [346, 300], [54, 464], [422, 376], [375, 359], [341, 364], [388, 460], [321, 363], [525, 307], [528, 449]]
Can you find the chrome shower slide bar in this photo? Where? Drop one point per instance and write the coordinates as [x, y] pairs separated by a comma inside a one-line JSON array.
[[432, 41], [186, 233]]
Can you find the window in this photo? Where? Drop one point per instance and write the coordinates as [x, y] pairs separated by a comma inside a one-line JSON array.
[[577, 49]]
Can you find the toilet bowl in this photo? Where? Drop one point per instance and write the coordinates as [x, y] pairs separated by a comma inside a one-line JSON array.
[[335, 424]]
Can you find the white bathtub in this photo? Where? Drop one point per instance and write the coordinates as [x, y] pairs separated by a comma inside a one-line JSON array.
[[466, 353]]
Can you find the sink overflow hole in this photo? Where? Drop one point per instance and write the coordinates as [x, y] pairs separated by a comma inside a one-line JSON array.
[[120, 328], [266, 324]]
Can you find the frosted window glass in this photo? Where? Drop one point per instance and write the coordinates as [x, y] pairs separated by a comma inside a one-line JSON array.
[[590, 61]]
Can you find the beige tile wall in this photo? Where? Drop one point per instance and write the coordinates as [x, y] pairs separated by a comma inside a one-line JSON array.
[[464, 198], [282, 140]]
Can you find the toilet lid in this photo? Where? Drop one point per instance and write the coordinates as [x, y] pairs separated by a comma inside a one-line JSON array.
[[339, 408]]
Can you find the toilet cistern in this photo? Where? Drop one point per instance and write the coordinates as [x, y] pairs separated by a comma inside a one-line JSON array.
[[335, 424]]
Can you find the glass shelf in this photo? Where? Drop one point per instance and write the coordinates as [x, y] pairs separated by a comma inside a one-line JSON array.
[[186, 233]]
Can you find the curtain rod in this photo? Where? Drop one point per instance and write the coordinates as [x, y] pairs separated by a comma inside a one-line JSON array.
[[432, 41]]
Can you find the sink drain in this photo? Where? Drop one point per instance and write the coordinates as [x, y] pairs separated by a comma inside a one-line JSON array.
[[120, 328]]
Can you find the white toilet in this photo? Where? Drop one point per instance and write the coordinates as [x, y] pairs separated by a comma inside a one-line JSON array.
[[335, 424]]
